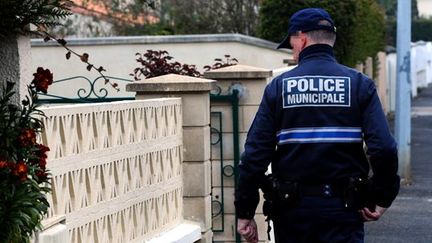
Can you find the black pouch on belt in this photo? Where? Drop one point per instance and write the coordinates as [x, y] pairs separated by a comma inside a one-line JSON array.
[[287, 193], [358, 193]]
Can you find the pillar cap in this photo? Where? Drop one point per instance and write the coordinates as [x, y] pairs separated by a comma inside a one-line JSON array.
[[171, 83], [239, 72]]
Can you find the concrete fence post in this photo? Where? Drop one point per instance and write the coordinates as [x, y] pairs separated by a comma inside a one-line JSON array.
[[369, 67], [383, 89], [195, 95], [251, 82], [359, 67]]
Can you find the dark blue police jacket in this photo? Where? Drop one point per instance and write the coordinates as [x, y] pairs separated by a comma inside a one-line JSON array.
[[311, 125]]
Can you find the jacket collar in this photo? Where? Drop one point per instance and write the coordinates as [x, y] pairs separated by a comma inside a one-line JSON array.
[[318, 50]]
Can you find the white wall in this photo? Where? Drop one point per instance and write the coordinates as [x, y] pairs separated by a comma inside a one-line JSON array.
[[421, 57], [421, 70], [117, 55]]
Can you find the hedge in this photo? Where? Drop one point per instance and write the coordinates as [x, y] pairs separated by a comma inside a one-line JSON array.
[[360, 25], [421, 30]]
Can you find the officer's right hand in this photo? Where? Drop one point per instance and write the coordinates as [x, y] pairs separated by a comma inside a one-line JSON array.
[[248, 229], [370, 215]]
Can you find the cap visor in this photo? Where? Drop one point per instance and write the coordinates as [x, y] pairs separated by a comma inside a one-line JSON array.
[[285, 43]]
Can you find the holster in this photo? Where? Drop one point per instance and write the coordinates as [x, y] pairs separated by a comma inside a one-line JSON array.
[[287, 193], [266, 185], [358, 193], [278, 194]]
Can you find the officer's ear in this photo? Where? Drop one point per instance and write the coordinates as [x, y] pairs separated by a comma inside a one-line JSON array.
[[304, 39]]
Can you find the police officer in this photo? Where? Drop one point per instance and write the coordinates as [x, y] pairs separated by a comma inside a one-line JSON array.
[[311, 125]]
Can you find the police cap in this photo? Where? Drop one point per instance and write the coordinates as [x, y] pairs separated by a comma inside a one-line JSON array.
[[305, 20]]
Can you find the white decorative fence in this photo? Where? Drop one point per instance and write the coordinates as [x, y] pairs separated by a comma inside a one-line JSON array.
[[116, 168]]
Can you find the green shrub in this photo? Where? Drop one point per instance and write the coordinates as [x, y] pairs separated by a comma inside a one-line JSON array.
[[17, 15], [420, 30], [24, 178], [360, 25]]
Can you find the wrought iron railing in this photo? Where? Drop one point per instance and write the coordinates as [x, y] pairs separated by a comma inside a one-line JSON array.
[[88, 94]]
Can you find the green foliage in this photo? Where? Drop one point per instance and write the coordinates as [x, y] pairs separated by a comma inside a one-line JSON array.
[[17, 15], [22, 213], [360, 25], [127, 17], [420, 27], [146, 29], [175, 17], [210, 16], [391, 32], [420, 30], [24, 179], [390, 7], [132, 7]]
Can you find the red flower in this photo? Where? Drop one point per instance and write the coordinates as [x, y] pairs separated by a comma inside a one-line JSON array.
[[20, 170], [3, 164], [42, 163], [42, 79], [41, 154], [27, 137]]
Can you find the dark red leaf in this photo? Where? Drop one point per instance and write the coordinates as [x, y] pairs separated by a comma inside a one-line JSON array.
[[61, 42], [84, 57]]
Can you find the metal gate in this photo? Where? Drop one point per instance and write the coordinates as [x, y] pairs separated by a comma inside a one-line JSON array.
[[228, 171]]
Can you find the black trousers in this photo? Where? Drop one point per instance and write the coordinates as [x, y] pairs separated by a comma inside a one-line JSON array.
[[318, 220]]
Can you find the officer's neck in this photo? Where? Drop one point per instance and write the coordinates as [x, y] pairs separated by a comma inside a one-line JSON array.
[[314, 49]]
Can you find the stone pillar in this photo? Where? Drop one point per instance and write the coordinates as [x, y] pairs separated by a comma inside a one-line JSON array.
[[196, 140], [359, 67], [369, 67], [382, 81], [15, 64], [250, 81]]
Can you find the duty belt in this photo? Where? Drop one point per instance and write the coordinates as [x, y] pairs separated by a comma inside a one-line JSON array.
[[322, 190]]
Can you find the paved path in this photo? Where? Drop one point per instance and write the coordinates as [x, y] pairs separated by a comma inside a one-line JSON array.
[[409, 220]]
